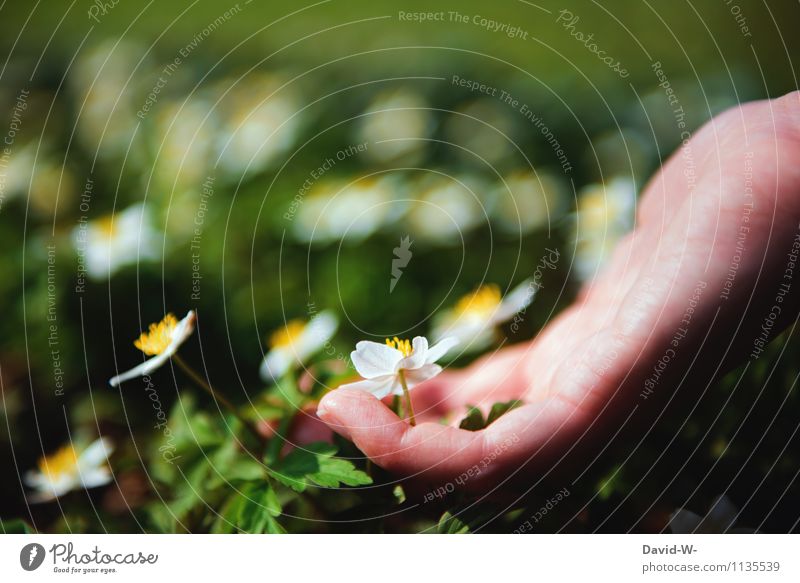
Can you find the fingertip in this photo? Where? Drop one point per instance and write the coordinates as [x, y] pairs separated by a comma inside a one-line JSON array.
[[363, 419], [353, 414]]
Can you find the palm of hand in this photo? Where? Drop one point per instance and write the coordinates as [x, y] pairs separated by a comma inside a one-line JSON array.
[[587, 369]]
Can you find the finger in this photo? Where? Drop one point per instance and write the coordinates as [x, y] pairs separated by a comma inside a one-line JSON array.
[[429, 450], [498, 377]]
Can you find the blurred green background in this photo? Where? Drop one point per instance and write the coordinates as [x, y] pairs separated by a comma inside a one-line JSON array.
[[216, 116]]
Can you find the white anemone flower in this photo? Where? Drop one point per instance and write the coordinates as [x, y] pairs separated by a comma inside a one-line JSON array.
[[474, 319], [396, 125], [447, 208], [261, 119], [604, 215], [70, 469], [397, 366], [111, 242], [295, 343], [719, 520], [351, 212], [526, 201], [161, 342]]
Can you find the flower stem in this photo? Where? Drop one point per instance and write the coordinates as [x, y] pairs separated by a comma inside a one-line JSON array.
[[192, 374], [409, 407]]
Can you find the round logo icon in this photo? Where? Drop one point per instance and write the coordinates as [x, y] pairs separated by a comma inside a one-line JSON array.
[[31, 556]]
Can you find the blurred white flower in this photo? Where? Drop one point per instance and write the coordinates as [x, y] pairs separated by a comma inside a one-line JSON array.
[[111, 242], [101, 82], [258, 122], [624, 151], [484, 130], [70, 469], [332, 211], [18, 170], [53, 185], [474, 318], [183, 140], [605, 214], [389, 368], [719, 520], [395, 126], [446, 209], [161, 342], [292, 345], [527, 201]]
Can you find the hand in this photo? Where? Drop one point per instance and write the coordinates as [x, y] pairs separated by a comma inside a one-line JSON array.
[[678, 305]]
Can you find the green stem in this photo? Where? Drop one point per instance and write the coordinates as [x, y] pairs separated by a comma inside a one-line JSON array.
[[409, 406], [293, 399], [201, 382]]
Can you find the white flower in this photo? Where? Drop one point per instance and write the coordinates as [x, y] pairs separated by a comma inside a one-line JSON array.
[[295, 343], [483, 130], [182, 137], [107, 80], [475, 316], [719, 520], [161, 342], [396, 125], [447, 208], [69, 469], [108, 243], [261, 118], [605, 214], [352, 212], [386, 367], [525, 201]]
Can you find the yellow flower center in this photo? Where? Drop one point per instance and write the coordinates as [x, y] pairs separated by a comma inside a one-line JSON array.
[[106, 225], [403, 346], [64, 461], [482, 302], [158, 337], [286, 336]]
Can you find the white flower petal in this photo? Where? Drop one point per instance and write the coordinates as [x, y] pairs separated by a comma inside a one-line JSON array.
[[441, 348], [373, 359], [276, 363], [95, 454], [422, 374], [42, 496], [34, 479], [515, 301], [47, 490], [145, 368], [418, 355], [317, 332], [181, 333], [684, 521], [96, 477], [381, 387], [472, 332]]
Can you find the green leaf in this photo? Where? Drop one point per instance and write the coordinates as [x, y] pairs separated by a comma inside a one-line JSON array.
[[315, 464], [257, 509], [16, 526], [474, 420], [500, 409], [449, 524], [245, 469], [613, 482]]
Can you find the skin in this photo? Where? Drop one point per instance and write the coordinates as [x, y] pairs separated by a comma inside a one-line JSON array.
[[584, 374]]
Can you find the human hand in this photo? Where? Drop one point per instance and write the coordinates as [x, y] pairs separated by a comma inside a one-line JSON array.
[[682, 301]]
